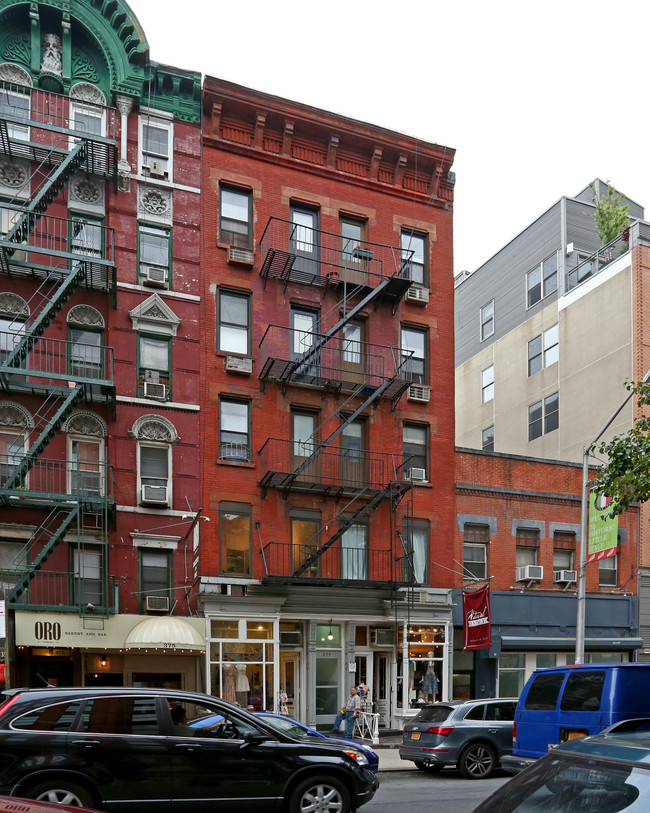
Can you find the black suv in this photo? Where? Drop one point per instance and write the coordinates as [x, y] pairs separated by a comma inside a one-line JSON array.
[[111, 748]]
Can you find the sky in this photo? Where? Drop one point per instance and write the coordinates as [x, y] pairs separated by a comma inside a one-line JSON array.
[[536, 99]]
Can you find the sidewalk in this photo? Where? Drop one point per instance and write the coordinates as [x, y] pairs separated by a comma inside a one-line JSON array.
[[388, 751]]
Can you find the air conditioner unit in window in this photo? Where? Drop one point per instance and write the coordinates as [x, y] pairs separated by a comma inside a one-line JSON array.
[[153, 277], [382, 637], [416, 474], [530, 573], [156, 604], [154, 494], [239, 364], [240, 256], [155, 169], [565, 576], [417, 294], [418, 392], [294, 638], [152, 389]]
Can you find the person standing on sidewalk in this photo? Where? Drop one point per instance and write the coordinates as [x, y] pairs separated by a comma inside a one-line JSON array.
[[348, 713]]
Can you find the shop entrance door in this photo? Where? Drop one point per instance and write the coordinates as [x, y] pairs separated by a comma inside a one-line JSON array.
[[328, 691], [381, 687], [290, 684]]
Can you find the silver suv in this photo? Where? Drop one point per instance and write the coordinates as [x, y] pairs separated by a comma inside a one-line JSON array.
[[471, 734]]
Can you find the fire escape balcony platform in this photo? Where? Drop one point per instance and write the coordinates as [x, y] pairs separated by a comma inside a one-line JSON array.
[[295, 253], [50, 482], [333, 471]]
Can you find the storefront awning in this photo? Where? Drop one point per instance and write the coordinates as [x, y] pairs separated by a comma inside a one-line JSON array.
[[164, 632], [563, 644]]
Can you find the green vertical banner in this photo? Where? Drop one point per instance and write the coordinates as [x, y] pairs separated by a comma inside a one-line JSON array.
[[603, 530]]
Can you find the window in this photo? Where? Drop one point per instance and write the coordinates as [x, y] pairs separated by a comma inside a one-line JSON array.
[[416, 552], [234, 430], [543, 416], [304, 327], [12, 449], [487, 384], [415, 449], [155, 575], [155, 153], [487, 320], [541, 280], [354, 553], [305, 541], [352, 235], [87, 118], [11, 332], [487, 439], [119, 715], [304, 240], [527, 547], [15, 103], [415, 265], [236, 217], [234, 322], [9, 217], [235, 526], [512, 673], [475, 542], [154, 246], [86, 469], [543, 350], [86, 238], [154, 474], [608, 571], [414, 345], [87, 576], [85, 349], [154, 366], [562, 559]]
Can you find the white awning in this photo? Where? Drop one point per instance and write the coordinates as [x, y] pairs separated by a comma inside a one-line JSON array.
[[164, 632]]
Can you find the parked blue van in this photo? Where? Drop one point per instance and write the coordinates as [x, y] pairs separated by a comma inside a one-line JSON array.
[[565, 702]]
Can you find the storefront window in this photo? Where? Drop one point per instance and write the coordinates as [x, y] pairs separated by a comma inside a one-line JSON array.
[[512, 674], [421, 665], [328, 635], [241, 671]]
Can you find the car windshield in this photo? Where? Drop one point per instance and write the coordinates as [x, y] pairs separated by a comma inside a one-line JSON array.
[[562, 783], [433, 714], [285, 726]]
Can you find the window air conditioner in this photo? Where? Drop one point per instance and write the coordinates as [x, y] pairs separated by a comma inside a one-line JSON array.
[[239, 364], [418, 392], [291, 637], [565, 576], [154, 277], [382, 637], [530, 573], [157, 604], [417, 474], [240, 256], [155, 169], [152, 389], [417, 294], [154, 494]]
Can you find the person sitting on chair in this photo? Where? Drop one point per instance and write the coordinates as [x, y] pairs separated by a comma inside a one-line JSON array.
[[348, 713]]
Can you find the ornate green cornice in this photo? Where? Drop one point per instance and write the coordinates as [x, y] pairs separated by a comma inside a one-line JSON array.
[[103, 43]]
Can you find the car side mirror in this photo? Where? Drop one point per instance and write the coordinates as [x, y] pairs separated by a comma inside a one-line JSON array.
[[254, 737]]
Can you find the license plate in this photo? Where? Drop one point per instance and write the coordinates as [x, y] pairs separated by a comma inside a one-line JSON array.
[[415, 735]]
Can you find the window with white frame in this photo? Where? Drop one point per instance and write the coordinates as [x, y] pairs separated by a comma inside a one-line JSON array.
[[154, 367], [475, 546], [414, 348], [154, 474], [236, 217], [487, 384], [354, 552], [9, 217], [155, 252], [156, 139], [12, 450], [487, 320], [416, 552], [541, 280], [543, 416], [415, 265], [15, 103], [608, 571], [86, 433], [543, 350], [234, 430], [234, 322]]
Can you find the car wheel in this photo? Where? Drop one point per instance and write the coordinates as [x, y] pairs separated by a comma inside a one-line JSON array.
[[62, 793], [324, 794], [477, 762], [429, 767]]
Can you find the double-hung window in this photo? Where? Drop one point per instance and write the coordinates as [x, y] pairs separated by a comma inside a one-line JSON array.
[[354, 553], [156, 136], [9, 217], [414, 349], [544, 416], [154, 474], [487, 320], [608, 571], [543, 350], [475, 545], [154, 262], [15, 105], [155, 577], [236, 217], [234, 322], [415, 263], [235, 538], [415, 450], [234, 430], [85, 353], [487, 384], [541, 280], [416, 552], [87, 582], [87, 237], [154, 367], [487, 439]]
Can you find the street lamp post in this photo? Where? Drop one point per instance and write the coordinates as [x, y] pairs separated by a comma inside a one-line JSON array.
[[584, 532]]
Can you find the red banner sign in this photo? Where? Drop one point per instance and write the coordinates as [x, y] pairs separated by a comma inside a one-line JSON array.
[[477, 629]]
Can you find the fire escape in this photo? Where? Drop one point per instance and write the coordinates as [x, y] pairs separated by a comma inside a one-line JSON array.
[[363, 276], [59, 255]]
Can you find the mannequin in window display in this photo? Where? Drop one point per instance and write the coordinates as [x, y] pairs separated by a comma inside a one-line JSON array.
[[229, 678], [242, 686], [430, 681]]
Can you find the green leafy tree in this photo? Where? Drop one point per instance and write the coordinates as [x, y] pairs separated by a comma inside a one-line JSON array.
[[626, 475], [611, 215]]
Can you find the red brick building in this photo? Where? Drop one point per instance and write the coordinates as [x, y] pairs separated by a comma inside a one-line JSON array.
[[99, 349], [518, 526], [327, 404]]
